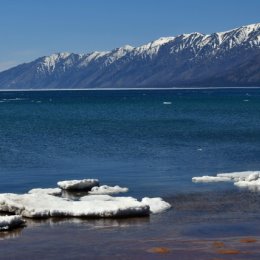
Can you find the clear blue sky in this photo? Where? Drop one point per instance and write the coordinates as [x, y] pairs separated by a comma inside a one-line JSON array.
[[33, 28]]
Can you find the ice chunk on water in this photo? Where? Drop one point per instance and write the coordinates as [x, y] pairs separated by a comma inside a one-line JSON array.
[[104, 189], [251, 182], [253, 177], [44, 203], [85, 184], [246, 179], [238, 176], [10, 222], [157, 205], [210, 179]]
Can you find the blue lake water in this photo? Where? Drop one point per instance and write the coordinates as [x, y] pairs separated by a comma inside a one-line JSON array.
[[127, 137], [152, 141]]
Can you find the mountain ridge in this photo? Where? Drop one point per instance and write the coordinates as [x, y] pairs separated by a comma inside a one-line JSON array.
[[231, 58]]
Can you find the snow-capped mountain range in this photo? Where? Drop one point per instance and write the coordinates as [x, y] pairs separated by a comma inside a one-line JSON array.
[[230, 58]]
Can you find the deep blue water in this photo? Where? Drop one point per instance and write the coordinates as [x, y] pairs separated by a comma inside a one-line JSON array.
[[130, 138]]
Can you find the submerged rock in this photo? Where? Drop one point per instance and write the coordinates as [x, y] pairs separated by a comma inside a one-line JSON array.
[[159, 250]]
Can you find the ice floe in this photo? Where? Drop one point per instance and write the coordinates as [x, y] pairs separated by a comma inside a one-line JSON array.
[[45, 203], [104, 189], [10, 222], [86, 184], [246, 179], [210, 179]]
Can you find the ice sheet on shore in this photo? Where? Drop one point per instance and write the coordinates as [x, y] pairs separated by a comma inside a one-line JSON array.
[[86, 184], [51, 202], [246, 179], [10, 222], [43, 206], [104, 189]]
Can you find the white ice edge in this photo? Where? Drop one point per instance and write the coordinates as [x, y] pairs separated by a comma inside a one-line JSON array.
[[48, 191], [104, 189], [210, 179], [10, 222]]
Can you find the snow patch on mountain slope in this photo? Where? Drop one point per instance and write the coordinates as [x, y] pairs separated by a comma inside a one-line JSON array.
[[117, 54], [150, 49], [49, 62]]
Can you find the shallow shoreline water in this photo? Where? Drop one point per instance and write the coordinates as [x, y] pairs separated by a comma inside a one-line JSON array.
[[128, 239], [200, 225]]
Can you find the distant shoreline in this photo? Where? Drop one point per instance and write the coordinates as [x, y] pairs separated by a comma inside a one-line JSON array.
[[124, 89]]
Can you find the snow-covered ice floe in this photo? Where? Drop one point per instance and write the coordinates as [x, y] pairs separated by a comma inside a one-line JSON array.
[[44, 203], [40, 205], [10, 222], [246, 179], [44, 206], [86, 184], [104, 189]]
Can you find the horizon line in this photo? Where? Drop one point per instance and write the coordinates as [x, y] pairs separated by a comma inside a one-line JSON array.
[[123, 89]]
